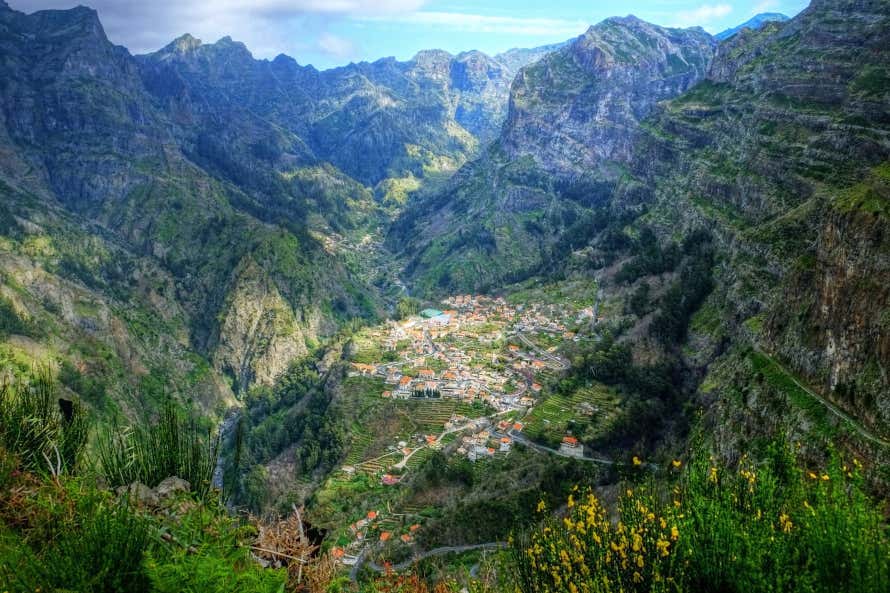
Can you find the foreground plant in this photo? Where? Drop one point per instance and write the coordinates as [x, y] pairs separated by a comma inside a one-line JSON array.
[[767, 527]]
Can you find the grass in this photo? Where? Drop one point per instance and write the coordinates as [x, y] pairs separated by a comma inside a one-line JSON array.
[[35, 426], [785, 384], [172, 446], [67, 531]]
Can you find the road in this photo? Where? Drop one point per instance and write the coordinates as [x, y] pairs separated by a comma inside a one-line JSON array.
[[520, 438], [559, 362], [865, 433], [436, 552]]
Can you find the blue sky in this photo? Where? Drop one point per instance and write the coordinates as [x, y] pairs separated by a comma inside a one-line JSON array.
[[328, 33]]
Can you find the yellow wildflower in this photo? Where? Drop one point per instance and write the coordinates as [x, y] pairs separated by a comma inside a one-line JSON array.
[[676, 463], [712, 475], [637, 460], [675, 533], [785, 523]]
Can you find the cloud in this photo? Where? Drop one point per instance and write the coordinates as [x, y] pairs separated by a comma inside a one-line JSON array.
[[477, 23], [335, 46], [266, 26], [764, 6], [702, 15]]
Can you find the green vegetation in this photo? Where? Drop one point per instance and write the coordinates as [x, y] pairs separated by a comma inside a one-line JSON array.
[[872, 195], [61, 529], [46, 433], [172, 446], [767, 526]]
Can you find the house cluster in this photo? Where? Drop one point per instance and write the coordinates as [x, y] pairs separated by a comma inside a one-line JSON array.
[[487, 442]]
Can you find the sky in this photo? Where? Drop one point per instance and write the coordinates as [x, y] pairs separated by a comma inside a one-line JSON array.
[[327, 33]]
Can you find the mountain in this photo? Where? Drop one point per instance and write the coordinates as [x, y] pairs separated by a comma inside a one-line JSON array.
[[158, 248], [373, 121], [570, 130], [755, 22], [774, 144], [222, 194]]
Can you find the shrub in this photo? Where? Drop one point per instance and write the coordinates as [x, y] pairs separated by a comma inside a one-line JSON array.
[[767, 527], [173, 446], [74, 538], [43, 431]]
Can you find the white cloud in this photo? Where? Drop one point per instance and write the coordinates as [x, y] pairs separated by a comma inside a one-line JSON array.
[[267, 27], [702, 16], [477, 23], [335, 46], [764, 6]]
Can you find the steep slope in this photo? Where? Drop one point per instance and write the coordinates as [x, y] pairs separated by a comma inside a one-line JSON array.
[[385, 119], [776, 163], [566, 142], [783, 153], [79, 130]]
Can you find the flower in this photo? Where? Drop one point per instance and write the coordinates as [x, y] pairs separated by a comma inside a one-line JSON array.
[[676, 463], [785, 523], [637, 460]]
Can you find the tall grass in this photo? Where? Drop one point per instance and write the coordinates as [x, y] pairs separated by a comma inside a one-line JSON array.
[[34, 427], [172, 446]]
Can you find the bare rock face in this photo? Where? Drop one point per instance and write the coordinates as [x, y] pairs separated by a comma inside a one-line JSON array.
[[260, 333], [579, 107], [140, 494]]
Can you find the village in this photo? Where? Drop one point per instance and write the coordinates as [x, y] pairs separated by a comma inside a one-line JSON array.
[[476, 351]]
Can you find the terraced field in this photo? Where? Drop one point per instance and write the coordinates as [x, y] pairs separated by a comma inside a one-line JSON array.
[[419, 458], [361, 440], [550, 419], [430, 416], [379, 464]]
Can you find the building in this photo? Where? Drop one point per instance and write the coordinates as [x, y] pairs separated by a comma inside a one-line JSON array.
[[430, 313], [571, 447]]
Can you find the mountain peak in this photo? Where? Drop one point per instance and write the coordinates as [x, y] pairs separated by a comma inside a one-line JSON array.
[[184, 43], [755, 22]]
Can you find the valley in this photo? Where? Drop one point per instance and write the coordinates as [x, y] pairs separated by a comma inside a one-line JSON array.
[[602, 315]]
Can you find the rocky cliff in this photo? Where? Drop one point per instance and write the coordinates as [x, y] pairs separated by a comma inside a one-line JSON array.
[[572, 124], [85, 145], [774, 143]]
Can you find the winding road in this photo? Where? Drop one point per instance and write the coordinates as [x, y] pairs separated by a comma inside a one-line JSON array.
[[436, 552]]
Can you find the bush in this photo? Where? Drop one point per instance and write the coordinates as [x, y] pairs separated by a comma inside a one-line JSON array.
[[45, 432], [75, 539], [173, 446], [767, 527]]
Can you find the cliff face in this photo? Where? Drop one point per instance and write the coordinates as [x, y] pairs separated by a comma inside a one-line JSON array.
[[570, 131], [783, 152], [576, 109], [84, 145]]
